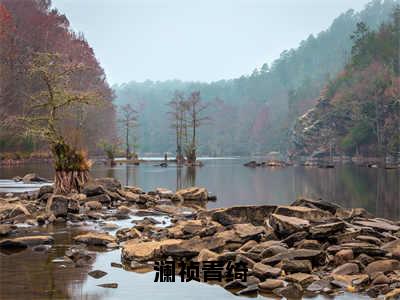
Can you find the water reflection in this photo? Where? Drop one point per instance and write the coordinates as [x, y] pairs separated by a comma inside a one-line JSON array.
[[377, 190]]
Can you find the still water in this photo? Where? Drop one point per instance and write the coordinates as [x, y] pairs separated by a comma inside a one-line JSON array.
[[33, 275], [376, 190]]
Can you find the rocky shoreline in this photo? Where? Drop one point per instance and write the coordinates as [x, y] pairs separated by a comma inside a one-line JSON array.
[[307, 248]]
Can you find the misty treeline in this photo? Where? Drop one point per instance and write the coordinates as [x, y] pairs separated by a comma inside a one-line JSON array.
[[254, 113], [45, 67], [358, 112]]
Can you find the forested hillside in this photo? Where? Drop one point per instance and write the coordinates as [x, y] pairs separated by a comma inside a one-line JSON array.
[[30, 29], [254, 113], [359, 111]]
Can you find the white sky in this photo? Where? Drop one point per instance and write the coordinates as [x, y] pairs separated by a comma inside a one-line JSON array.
[[203, 40]]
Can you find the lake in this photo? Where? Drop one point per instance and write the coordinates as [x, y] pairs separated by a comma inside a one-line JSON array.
[[349, 185], [33, 275]]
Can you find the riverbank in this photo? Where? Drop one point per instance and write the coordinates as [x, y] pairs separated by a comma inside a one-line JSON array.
[[309, 247]]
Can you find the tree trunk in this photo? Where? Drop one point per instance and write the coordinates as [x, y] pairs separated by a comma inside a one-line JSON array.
[[67, 182]]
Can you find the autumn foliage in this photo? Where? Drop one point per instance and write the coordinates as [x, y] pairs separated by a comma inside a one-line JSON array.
[[28, 28]]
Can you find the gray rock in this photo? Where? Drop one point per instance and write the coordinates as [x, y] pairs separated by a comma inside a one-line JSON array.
[[97, 274]]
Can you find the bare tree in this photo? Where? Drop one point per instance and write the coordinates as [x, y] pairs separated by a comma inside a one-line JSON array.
[[178, 112], [128, 120], [196, 109], [45, 110]]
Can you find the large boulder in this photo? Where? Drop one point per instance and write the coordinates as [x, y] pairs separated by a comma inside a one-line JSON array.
[[92, 189], [137, 250], [306, 213], [284, 225], [95, 238], [193, 194], [255, 215]]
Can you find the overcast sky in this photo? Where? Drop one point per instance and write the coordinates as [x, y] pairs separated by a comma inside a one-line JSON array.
[[203, 40]]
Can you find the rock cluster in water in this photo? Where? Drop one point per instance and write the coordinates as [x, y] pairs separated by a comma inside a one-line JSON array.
[[309, 247]]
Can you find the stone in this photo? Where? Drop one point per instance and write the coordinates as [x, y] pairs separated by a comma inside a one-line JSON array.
[[6, 229], [318, 286], [95, 238], [129, 196], [317, 257], [93, 205], [241, 214], [386, 265], [246, 246], [128, 234], [271, 284], [308, 244], [264, 271], [376, 290], [392, 247], [116, 265], [109, 184], [301, 278], [369, 239], [251, 289], [124, 210], [273, 250], [192, 247], [323, 205], [240, 258], [91, 189], [343, 256], [324, 230], [193, 194], [207, 255], [381, 279], [394, 294], [365, 259], [26, 241], [291, 291], [97, 274], [73, 205], [110, 226], [102, 198], [306, 213], [377, 224], [145, 251], [263, 246], [45, 189], [248, 231], [33, 178], [366, 248], [164, 193], [295, 237], [347, 269], [296, 266], [12, 210], [109, 285], [284, 225]]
